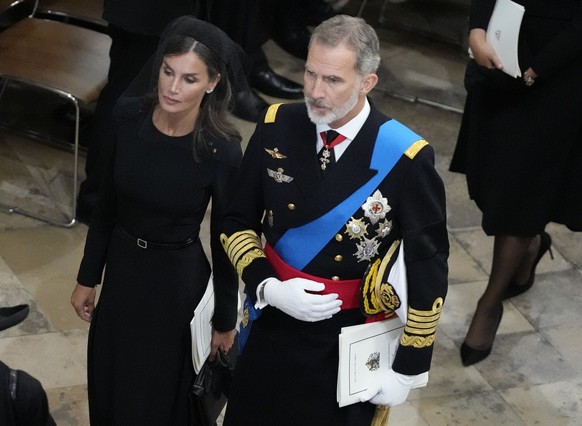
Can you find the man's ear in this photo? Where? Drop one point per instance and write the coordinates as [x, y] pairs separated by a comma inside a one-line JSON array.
[[369, 81]]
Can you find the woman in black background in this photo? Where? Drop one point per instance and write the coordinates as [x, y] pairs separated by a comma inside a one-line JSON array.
[[174, 151], [520, 146]]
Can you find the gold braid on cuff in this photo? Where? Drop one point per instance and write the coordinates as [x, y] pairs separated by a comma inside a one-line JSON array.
[[421, 326], [242, 248]]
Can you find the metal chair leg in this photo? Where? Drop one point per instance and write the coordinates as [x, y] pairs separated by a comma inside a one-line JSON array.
[[69, 221]]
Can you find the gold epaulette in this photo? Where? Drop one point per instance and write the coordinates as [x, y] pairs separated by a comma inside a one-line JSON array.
[[420, 328], [242, 248], [415, 148], [272, 113]]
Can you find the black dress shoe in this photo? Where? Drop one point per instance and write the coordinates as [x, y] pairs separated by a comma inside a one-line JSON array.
[[515, 289], [293, 37], [10, 316], [248, 105], [470, 356], [265, 80]]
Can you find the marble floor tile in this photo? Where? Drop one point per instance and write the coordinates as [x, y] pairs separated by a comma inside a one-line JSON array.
[[56, 359], [472, 408], [566, 339], [462, 267], [69, 405], [558, 404], [524, 359]]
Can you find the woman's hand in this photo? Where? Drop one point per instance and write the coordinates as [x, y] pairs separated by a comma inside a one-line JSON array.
[[529, 77], [83, 300], [482, 51], [222, 340]]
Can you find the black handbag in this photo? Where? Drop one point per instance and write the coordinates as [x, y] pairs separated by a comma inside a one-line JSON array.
[[211, 387]]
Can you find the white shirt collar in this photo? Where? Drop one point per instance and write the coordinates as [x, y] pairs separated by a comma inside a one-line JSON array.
[[349, 130]]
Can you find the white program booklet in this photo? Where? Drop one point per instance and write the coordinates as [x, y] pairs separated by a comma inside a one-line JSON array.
[[201, 327], [503, 34], [365, 352]]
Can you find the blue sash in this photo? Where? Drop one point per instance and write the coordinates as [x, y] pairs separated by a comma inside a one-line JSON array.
[[298, 246]]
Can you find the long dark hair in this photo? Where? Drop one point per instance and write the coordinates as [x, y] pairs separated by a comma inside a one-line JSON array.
[[213, 119]]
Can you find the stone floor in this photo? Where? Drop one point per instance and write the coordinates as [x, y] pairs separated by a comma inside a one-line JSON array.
[[534, 374]]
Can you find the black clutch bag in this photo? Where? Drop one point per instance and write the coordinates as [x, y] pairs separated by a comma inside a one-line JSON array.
[[211, 387]]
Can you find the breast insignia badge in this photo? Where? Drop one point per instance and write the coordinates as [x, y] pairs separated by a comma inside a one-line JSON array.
[[376, 207], [278, 175], [274, 153], [367, 249], [356, 228], [384, 228]]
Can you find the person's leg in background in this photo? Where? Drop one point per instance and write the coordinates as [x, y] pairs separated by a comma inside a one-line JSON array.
[[250, 23]]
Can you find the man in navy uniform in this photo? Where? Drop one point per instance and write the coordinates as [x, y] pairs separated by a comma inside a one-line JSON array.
[[328, 206]]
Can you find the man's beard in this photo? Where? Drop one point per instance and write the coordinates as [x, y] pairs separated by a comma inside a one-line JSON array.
[[333, 114]]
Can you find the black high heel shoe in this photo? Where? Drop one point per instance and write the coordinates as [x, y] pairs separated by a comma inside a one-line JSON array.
[[515, 289], [470, 356]]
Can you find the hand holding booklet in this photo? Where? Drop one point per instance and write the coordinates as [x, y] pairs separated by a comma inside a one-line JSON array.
[[366, 352], [503, 34]]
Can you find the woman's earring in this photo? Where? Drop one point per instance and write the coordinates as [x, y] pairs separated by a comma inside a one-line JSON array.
[[209, 90]]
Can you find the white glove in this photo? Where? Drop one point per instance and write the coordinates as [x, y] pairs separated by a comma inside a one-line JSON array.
[[392, 389], [292, 298]]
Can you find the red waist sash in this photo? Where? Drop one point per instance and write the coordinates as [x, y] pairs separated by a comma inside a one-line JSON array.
[[346, 289]]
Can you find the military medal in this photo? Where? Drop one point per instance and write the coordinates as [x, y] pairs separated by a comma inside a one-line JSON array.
[[278, 175], [330, 139], [384, 228], [274, 153], [356, 228], [324, 159], [376, 207], [367, 249]]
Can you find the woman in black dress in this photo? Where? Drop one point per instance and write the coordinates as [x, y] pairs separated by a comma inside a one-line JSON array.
[[174, 151], [520, 145]]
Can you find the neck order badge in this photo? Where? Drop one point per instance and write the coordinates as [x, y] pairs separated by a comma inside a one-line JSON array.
[[330, 139]]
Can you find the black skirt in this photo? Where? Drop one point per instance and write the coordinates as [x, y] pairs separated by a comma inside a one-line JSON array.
[[139, 355], [521, 150]]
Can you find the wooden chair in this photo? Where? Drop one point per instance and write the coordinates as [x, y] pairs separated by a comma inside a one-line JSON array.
[[64, 59], [85, 13]]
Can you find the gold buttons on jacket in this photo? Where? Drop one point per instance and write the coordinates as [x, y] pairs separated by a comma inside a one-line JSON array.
[[339, 237], [291, 206], [338, 258], [335, 278]]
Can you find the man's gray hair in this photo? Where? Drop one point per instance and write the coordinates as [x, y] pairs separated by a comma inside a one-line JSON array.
[[354, 33]]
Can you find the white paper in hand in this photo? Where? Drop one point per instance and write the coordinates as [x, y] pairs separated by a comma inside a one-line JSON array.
[[201, 327], [503, 34], [367, 352]]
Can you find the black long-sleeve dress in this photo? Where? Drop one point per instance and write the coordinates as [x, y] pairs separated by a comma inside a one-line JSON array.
[[139, 352], [521, 147]]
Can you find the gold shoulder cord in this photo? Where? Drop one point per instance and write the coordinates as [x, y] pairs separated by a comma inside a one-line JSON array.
[[421, 326], [242, 248]]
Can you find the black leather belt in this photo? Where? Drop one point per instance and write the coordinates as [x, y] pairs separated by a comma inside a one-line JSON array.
[[144, 244]]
